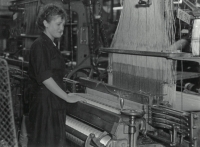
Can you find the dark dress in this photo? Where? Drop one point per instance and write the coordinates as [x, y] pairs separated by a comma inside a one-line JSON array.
[[47, 111]]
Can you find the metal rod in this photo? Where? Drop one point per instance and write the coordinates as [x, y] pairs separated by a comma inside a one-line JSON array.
[[145, 53]]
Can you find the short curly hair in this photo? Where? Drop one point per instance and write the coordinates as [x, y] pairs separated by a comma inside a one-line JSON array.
[[47, 12]]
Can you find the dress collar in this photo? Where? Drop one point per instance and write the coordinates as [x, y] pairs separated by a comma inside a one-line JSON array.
[[46, 38]]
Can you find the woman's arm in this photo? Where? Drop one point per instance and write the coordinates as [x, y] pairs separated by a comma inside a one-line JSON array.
[[54, 88]]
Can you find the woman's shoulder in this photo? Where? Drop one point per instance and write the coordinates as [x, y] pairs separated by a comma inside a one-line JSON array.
[[38, 46], [41, 41], [37, 41]]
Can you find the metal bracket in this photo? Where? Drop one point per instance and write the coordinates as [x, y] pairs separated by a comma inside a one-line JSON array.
[[84, 35]]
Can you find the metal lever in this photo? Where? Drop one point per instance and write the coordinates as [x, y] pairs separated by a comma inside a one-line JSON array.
[[92, 139], [174, 135], [121, 103]]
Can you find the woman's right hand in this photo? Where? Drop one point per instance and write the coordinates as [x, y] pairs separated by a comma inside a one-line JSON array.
[[75, 98]]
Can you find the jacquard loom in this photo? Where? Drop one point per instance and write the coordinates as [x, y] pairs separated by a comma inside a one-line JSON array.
[[140, 106]]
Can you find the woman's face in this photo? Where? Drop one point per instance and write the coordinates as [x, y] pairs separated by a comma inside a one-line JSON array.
[[54, 28]]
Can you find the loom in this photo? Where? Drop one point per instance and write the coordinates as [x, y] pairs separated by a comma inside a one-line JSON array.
[[142, 120], [141, 90]]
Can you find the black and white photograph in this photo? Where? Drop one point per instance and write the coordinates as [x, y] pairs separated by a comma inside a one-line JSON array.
[[99, 73]]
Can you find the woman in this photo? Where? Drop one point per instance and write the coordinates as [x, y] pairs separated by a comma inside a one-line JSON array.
[[46, 70]]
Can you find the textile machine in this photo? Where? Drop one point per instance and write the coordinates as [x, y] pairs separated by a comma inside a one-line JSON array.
[[146, 111], [114, 117], [140, 106]]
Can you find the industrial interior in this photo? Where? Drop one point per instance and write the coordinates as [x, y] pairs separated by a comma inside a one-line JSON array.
[[135, 62]]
